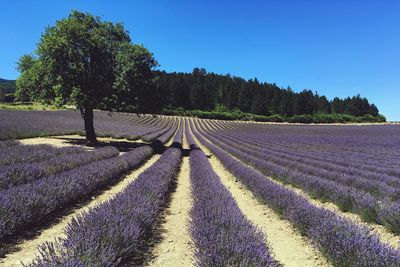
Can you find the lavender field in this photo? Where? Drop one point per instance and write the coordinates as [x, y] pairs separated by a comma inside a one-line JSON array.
[[174, 191]]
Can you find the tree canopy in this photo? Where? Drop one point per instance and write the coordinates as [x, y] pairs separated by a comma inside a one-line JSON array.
[[206, 91], [89, 63]]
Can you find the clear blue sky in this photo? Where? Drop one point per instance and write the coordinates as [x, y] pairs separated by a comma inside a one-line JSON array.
[[338, 48]]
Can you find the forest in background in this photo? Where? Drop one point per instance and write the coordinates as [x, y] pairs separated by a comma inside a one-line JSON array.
[[208, 95]]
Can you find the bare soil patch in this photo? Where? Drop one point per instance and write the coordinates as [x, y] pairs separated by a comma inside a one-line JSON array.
[[58, 141]]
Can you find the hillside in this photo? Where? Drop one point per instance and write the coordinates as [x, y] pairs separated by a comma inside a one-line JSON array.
[[7, 85]]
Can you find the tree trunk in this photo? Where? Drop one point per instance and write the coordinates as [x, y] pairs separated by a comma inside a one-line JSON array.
[[87, 114]]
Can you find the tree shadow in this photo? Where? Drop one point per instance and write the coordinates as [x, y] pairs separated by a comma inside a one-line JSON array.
[[122, 146]]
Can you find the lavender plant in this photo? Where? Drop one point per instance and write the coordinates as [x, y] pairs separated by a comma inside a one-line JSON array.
[[23, 124], [179, 134], [20, 173], [33, 153], [221, 234], [116, 230], [347, 198], [341, 241], [26, 204]]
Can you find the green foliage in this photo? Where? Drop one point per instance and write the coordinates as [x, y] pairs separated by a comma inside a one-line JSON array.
[[35, 82], [7, 86], [305, 103], [30, 106], [221, 108], [207, 91], [87, 62], [306, 118], [134, 79]]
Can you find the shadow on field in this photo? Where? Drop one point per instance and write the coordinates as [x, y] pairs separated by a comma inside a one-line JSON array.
[[122, 146]]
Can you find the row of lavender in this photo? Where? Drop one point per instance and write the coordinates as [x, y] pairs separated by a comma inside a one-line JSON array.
[[25, 172], [376, 184], [22, 124], [117, 230], [336, 151], [39, 180], [221, 234], [373, 197], [375, 144], [25, 163], [26, 204], [379, 161], [340, 240], [14, 152]]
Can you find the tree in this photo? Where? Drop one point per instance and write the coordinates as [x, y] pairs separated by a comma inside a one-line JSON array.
[[134, 80], [338, 105], [2, 95], [305, 103], [373, 110], [286, 106], [34, 80], [90, 63], [322, 104]]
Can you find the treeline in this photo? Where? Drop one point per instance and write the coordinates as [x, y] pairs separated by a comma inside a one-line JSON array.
[[205, 91], [7, 90], [7, 86], [209, 95]]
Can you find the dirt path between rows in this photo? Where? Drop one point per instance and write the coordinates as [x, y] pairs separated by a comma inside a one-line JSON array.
[[288, 246], [175, 248], [27, 250]]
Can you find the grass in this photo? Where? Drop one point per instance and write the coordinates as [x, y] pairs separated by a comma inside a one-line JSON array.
[[31, 106]]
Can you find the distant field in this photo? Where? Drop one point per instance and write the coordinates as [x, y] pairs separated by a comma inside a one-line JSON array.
[[175, 191]]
